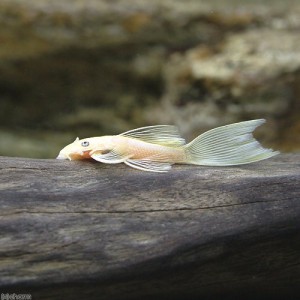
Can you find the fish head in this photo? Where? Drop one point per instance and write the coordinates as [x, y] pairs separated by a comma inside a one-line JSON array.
[[79, 149]]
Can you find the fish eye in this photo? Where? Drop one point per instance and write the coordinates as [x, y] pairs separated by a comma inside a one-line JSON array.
[[85, 143]]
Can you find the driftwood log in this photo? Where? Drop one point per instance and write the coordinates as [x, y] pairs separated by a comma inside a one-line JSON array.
[[85, 230]]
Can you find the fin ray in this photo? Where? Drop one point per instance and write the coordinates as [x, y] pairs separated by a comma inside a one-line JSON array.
[[228, 145], [166, 135], [148, 165], [110, 157]]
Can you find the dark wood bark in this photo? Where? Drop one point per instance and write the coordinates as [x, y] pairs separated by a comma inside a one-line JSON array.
[[85, 230]]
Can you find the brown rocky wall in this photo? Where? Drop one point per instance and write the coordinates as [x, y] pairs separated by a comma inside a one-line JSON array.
[[86, 68]]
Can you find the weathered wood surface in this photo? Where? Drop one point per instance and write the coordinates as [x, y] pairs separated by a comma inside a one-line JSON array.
[[84, 230]]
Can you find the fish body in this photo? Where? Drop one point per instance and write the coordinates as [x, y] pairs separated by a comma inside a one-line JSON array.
[[156, 148], [137, 149]]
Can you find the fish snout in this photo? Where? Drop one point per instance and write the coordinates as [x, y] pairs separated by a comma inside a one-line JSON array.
[[61, 156], [72, 156]]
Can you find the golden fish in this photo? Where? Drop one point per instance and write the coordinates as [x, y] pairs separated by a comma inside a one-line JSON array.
[[156, 148]]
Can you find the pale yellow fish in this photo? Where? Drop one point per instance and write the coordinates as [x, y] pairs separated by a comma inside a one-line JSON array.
[[156, 148]]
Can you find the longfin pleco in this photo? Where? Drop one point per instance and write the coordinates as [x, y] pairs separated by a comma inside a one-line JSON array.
[[156, 148]]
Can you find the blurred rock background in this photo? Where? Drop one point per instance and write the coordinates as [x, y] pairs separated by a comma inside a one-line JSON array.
[[73, 68]]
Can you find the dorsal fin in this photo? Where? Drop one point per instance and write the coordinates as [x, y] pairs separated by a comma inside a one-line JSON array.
[[166, 135]]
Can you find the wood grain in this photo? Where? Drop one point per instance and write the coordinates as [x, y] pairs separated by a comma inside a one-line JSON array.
[[85, 230]]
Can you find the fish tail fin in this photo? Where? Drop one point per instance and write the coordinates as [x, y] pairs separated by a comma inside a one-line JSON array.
[[228, 145]]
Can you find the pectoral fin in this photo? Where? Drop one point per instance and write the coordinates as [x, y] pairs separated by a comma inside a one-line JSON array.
[[108, 157], [148, 165]]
